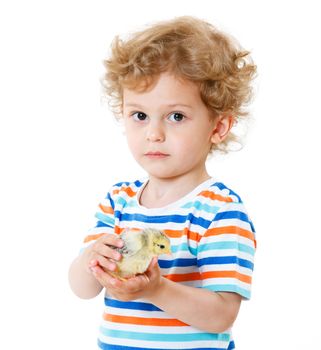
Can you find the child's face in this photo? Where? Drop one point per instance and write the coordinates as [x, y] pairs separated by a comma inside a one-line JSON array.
[[168, 127]]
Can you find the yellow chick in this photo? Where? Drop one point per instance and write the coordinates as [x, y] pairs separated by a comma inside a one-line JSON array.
[[138, 251]]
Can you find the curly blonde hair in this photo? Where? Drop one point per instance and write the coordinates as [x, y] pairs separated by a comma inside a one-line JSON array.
[[191, 49]]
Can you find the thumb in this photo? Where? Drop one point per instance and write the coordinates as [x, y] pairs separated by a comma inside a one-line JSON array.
[[153, 265]]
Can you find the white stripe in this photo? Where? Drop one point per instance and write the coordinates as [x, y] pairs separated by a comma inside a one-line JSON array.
[[233, 206], [232, 222], [99, 230], [136, 313], [235, 282], [162, 345], [226, 267], [225, 252], [228, 237], [198, 229], [181, 254], [180, 270]]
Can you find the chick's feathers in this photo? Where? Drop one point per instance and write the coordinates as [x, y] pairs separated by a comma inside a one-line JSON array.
[[139, 249]]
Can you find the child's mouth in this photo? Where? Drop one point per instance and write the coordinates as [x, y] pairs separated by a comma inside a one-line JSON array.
[[156, 155]]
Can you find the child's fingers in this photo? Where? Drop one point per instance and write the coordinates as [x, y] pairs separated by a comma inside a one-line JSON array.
[[112, 240], [106, 251], [135, 284], [103, 262], [104, 278], [93, 263]]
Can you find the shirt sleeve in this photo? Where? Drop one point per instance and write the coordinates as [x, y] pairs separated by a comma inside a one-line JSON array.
[[105, 220], [225, 253]]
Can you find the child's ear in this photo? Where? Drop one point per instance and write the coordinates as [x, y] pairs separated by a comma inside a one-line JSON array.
[[222, 127]]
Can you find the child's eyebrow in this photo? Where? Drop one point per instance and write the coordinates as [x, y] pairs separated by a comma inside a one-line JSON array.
[[169, 105]]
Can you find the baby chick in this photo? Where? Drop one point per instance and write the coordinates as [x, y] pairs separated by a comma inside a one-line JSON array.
[[138, 251]]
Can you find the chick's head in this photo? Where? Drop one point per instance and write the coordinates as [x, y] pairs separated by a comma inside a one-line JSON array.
[[159, 243]]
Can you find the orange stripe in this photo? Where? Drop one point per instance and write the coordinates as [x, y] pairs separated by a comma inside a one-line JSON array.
[[118, 230], [106, 209], [174, 233], [211, 195], [230, 230], [92, 237], [128, 190], [194, 276], [194, 236], [186, 232], [144, 321], [227, 274]]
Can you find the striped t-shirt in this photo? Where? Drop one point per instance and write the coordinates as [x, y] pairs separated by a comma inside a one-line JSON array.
[[212, 244]]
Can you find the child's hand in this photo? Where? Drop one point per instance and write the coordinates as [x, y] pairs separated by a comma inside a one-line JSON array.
[[140, 286], [102, 253]]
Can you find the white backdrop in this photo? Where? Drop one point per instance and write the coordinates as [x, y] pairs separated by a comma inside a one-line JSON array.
[[60, 152]]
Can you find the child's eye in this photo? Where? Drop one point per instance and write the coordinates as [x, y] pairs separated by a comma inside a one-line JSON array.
[[176, 117], [139, 116]]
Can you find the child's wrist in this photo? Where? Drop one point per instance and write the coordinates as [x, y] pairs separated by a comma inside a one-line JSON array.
[[158, 290]]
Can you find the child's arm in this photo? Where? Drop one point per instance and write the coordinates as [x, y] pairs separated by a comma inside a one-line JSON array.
[[210, 311], [201, 308], [81, 279]]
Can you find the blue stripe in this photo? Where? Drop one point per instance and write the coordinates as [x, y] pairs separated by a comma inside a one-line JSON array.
[[163, 219], [164, 337], [228, 288], [165, 264], [218, 260], [232, 214], [131, 204], [138, 183], [252, 226], [226, 245], [105, 346], [121, 183], [132, 305], [120, 201], [184, 247], [199, 221], [106, 219], [201, 206], [102, 224], [110, 200]]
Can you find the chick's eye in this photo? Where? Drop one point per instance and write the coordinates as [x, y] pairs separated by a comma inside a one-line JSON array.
[[176, 117], [139, 116], [161, 246]]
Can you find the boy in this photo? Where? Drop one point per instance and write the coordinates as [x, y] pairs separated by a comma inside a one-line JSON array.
[[178, 87]]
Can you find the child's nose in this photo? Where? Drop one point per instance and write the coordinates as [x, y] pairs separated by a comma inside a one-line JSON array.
[[155, 132]]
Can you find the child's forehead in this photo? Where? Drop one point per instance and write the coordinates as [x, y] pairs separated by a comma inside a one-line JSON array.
[[165, 81], [167, 92], [145, 81]]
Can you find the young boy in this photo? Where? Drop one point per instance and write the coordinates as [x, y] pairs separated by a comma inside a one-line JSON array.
[[178, 87]]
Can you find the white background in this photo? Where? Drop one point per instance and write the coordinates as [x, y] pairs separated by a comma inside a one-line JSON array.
[[60, 152]]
